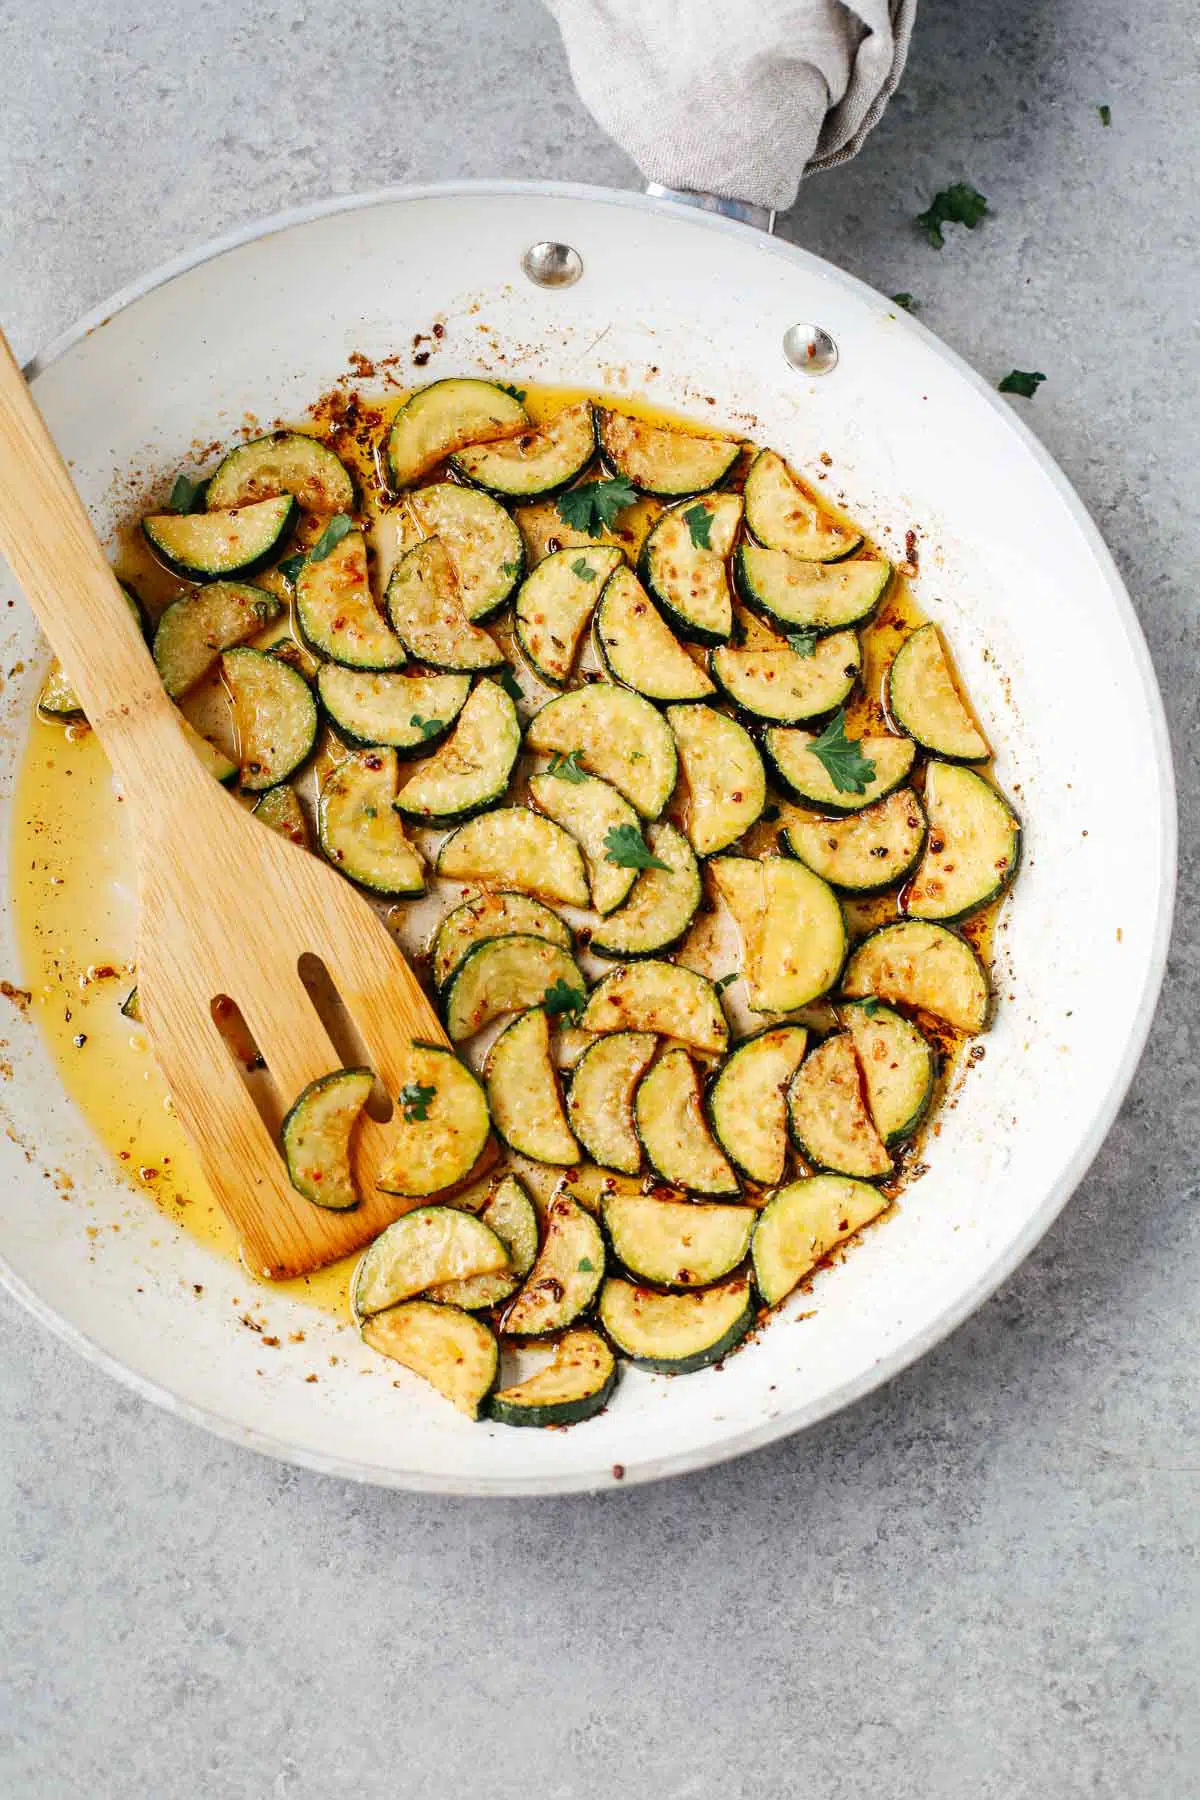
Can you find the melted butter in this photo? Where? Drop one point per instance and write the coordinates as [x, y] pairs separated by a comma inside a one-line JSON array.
[[73, 885]]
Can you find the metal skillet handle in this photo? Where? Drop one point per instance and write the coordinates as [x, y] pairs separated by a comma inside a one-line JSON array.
[[745, 211]]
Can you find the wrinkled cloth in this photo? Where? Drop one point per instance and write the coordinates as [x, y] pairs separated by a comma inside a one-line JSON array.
[[736, 97]]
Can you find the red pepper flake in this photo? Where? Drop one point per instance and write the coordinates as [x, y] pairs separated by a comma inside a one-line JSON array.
[[618, 1471]]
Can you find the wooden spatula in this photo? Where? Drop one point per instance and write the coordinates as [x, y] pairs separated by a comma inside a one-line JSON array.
[[228, 907]]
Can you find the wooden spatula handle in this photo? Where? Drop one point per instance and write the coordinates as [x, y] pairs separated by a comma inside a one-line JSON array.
[[54, 553]]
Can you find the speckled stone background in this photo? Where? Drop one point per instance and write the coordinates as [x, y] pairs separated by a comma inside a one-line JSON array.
[[982, 1582]]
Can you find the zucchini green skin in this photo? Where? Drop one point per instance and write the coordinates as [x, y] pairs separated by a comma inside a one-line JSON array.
[[630, 447], [431, 1151], [513, 847], [724, 775], [871, 1025], [524, 1094], [472, 772], [735, 1320], [619, 735], [820, 793], [336, 614], [316, 1133], [353, 797], [278, 521], [506, 470], [510, 1214], [273, 747], [455, 1353], [666, 579], [776, 499], [921, 896], [683, 1244], [661, 908], [594, 1387], [829, 847], [282, 462], [739, 1110], [194, 630], [501, 975], [426, 617], [802, 1223], [600, 1100], [828, 1116], [895, 963], [761, 702], [434, 698], [636, 647], [489, 915], [564, 1280], [938, 719], [668, 1116], [444, 417], [554, 605], [762, 584], [280, 810], [589, 810], [483, 543]]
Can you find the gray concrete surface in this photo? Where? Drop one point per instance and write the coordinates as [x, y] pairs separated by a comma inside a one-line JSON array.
[[980, 1583]]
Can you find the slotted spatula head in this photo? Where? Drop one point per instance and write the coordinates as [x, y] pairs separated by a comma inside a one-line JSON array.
[[228, 908]]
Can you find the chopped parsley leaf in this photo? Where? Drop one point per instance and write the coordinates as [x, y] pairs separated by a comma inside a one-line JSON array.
[[841, 757], [583, 569], [560, 998], [1021, 381], [594, 506], [698, 520], [804, 643], [187, 495], [427, 727], [414, 1098], [625, 846], [338, 527], [567, 768], [960, 204]]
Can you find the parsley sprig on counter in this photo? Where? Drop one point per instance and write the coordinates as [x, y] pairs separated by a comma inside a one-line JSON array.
[[960, 204]]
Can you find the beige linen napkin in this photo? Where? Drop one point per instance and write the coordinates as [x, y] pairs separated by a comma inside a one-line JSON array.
[[736, 97]]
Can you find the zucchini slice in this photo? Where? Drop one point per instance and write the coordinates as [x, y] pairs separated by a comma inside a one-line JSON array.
[[662, 997], [336, 611], [600, 1101], [57, 700], [618, 736], [804, 776], [784, 515], [503, 975], [219, 766], [676, 1334], [791, 925], [536, 463], [484, 545], [513, 847], [663, 903], [677, 1243], [683, 564], [195, 629], [637, 648], [214, 546], [590, 809], [747, 1105], [545, 531], [428, 613], [280, 810], [554, 605], [523, 1093], [668, 1115], [438, 1130], [726, 781], [924, 966], [587, 1186], [282, 462], [828, 1115], [444, 417], [473, 767], [973, 847], [576, 1385], [813, 596], [866, 852], [359, 830], [668, 464], [510, 1214], [490, 916], [405, 713], [453, 1352], [274, 715], [777, 684], [424, 1249], [897, 1064], [802, 1223], [316, 1135], [925, 701], [563, 1281]]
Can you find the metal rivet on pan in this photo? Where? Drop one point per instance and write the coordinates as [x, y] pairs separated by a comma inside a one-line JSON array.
[[552, 265], [811, 349]]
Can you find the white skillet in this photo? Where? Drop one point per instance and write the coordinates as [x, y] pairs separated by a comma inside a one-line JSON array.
[[691, 310]]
